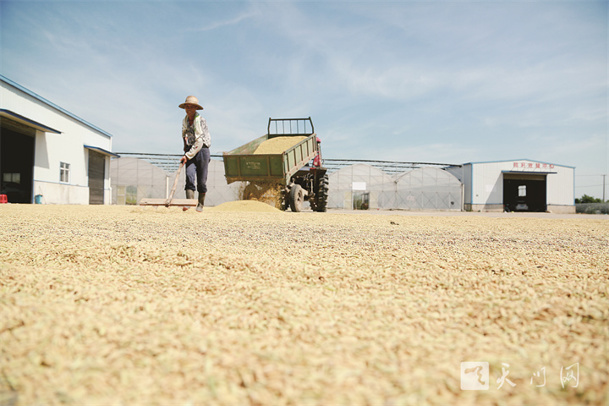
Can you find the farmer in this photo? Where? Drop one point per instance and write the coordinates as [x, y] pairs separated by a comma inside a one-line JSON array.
[[197, 141]]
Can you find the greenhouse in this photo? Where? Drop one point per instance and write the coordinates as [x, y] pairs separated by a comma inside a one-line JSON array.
[[362, 187], [358, 187], [427, 188], [134, 179], [355, 187]]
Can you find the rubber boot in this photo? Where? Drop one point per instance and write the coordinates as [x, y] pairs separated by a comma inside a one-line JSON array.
[[190, 194], [201, 202]]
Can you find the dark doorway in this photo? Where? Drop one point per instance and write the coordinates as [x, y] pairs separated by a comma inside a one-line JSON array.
[[524, 192], [361, 200], [16, 162], [97, 173]]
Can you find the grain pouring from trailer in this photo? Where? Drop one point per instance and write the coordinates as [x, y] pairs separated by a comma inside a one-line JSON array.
[[282, 167]]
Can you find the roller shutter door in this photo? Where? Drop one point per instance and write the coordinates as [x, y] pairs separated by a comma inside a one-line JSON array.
[[16, 163], [97, 166]]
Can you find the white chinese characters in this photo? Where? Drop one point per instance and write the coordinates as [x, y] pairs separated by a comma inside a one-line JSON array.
[[475, 376], [571, 374], [504, 373], [539, 376]]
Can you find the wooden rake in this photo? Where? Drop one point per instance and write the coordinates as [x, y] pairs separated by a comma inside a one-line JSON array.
[[170, 200]]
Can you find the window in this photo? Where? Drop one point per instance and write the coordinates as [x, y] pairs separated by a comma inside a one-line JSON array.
[[11, 177], [64, 172], [522, 191]]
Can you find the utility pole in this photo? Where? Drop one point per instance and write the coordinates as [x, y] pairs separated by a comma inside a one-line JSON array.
[[604, 188]]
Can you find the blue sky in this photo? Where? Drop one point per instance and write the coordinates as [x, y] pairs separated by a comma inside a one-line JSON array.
[[433, 81]]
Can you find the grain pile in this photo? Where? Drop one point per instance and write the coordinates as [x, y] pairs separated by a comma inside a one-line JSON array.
[[265, 192], [278, 144], [144, 305]]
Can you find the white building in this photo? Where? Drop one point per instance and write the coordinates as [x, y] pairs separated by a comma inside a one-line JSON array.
[[517, 185], [49, 155]]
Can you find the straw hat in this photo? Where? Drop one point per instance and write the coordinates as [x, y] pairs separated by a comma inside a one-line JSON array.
[[191, 100]]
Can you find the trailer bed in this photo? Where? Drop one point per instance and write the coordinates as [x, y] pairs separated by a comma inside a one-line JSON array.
[[243, 164]]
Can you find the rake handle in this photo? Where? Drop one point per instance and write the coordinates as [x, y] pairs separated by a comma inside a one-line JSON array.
[[175, 184]]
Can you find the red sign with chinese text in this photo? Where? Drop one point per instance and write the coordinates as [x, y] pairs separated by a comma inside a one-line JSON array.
[[532, 166]]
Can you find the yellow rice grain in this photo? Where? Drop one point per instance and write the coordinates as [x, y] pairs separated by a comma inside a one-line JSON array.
[[100, 304], [244, 205], [277, 145]]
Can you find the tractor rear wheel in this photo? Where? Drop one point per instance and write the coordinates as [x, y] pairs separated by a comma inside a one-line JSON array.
[[321, 194], [296, 198]]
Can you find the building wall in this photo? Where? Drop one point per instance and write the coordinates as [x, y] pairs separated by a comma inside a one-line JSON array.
[[51, 149], [561, 187], [486, 184]]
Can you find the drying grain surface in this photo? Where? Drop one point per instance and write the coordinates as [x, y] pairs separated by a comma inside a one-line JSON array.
[[278, 144], [245, 206], [145, 305]]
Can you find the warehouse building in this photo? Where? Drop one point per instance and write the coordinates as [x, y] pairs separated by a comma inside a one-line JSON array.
[[49, 155], [517, 185]]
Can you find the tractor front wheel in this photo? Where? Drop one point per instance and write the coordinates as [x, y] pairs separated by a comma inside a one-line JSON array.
[[296, 198]]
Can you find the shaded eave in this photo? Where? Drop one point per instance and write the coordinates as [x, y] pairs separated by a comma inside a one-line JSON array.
[[101, 151], [530, 172], [27, 121]]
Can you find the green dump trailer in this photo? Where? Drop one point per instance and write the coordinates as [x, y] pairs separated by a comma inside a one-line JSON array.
[[294, 175]]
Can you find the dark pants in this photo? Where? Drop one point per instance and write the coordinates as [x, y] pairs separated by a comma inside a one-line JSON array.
[[198, 167]]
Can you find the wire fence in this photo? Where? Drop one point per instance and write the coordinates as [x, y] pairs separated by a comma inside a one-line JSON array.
[[592, 208]]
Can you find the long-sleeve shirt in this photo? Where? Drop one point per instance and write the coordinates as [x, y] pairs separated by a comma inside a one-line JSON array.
[[196, 136]]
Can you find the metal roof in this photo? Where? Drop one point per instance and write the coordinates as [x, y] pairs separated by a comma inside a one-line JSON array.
[[53, 105], [102, 151], [514, 160]]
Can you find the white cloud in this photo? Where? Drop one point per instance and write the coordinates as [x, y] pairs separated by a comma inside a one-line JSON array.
[[213, 25]]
